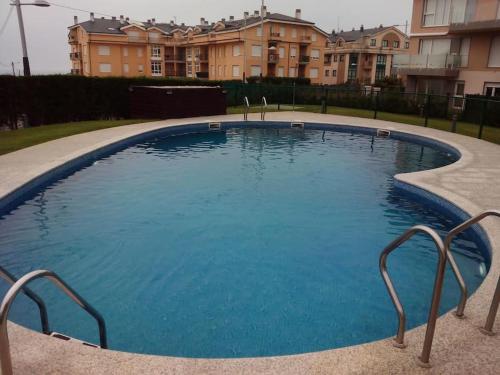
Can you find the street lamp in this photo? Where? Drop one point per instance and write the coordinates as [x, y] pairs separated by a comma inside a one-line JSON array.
[[18, 4]]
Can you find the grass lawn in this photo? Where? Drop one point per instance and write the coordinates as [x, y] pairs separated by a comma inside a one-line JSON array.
[[466, 128], [18, 139]]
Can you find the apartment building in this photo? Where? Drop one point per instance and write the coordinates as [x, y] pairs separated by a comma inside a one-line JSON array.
[[363, 55], [270, 44], [454, 48]]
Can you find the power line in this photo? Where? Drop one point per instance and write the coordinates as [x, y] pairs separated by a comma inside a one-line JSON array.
[[2, 29], [83, 10]]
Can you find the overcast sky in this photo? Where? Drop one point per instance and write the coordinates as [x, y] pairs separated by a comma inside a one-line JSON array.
[[46, 28]]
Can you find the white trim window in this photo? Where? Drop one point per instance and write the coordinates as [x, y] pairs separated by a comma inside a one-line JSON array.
[[236, 71], [314, 37], [494, 59], [282, 52], [140, 68], [156, 52], [105, 68], [259, 31], [293, 52], [236, 51], [125, 68], [294, 33], [139, 52], [315, 54], [281, 71], [256, 50], [125, 51], [104, 51], [255, 70], [282, 31], [156, 68], [314, 73], [441, 12]]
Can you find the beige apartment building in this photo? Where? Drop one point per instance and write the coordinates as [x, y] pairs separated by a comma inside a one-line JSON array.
[[363, 55], [454, 48], [270, 44]]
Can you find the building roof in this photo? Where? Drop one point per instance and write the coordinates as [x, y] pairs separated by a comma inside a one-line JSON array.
[[351, 36]]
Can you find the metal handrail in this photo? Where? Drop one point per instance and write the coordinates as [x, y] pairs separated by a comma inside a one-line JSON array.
[[447, 242], [246, 103], [5, 358], [263, 107], [436, 295], [490, 320], [11, 279]]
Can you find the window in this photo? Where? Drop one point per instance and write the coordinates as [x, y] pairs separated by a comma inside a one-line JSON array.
[[395, 44], [314, 37], [154, 36], [282, 31], [327, 73], [407, 45], [236, 51], [342, 57], [259, 31], [315, 54], [352, 72], [255, 70], [293, 52], [434, 46], [494, 60], [436, 12], [282, 52], [125, 51], [155, 68], [139, 52], [335, 58], [313, 73], [189, 69], [373, 42], [140, 68], [105, 68], [125, 68], [103, 50], [212, 70], [236, 71], [292, 72], [294, 33], [155, 51], [334, 73], [256, 51], [385, 43], [225, 71], [220, 70], [380, 67], [492, 89], [464, 52], [281, 71]]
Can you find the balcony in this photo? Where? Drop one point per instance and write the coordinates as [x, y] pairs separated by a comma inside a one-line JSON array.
[[484, 18], [304, 59], [202, 57], [72, 39], [75, 55], [428, 65], [273, 58], [305, 39], [175, 58], [274, 35], [137, 39]]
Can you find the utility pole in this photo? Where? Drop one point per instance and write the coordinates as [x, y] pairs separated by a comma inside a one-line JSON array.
[[13, 69]]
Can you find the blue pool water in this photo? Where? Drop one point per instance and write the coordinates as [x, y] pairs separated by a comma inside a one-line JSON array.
[[245, 243]]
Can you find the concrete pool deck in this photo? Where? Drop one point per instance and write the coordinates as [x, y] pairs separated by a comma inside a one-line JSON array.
[[472, 184]]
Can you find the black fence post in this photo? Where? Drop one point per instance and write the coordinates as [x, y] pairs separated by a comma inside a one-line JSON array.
[[375, 110], [484, 108], [454, 123], [427, 109]]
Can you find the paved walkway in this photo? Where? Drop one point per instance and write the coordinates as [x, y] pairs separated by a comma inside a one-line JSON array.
[[473, 184]]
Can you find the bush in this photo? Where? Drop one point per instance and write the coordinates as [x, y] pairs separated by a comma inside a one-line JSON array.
[[279, 80], [477, 106]]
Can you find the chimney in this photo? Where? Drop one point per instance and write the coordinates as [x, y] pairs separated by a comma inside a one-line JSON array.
[[122, 20], [202, 21], [127, 19], [381, 26], [256, 13], [75, 20], [231, 18], [153, 21], [172, 23], [264, 11], [92, 18], [298, 14], [362, 28], [223, 20], [113, 18], [353, 29], [245, 15], [183, 24]]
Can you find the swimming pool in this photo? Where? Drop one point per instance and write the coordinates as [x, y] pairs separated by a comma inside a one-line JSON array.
[[248, 242]]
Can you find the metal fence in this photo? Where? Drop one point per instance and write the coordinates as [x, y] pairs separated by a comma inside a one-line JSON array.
[[470, 115]]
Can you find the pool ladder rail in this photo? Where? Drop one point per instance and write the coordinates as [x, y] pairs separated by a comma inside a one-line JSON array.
[[263, 108], [444, 254], [19, 285]]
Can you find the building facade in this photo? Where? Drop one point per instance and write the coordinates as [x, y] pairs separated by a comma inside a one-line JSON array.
[[270, 44], [454, 48], [363, 55]]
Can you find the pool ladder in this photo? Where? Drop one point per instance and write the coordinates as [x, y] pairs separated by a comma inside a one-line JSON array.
[[444, 254], [263, 108], [19, 285]]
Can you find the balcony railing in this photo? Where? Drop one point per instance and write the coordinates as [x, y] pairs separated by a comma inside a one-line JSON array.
[[75, 55], [304, 59], [175, 58], [275, 35], [439, 65], [273, 58], [305, 39], [202, 57], [482, 19], [137, 39]]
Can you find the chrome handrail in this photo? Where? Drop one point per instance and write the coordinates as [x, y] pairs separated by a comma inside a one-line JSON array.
[[436, 295], [246, 103], [490, 320], [5, 358], [263, 107], [11, 279], [447, 242]]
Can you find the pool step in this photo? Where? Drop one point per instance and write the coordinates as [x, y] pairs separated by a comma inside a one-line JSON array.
[[61, 336]]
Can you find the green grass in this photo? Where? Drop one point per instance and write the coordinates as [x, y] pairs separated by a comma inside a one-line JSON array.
[[17, 139], [490, 134]]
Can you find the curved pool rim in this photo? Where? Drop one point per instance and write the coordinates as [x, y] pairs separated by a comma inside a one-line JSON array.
[[73, 161]]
